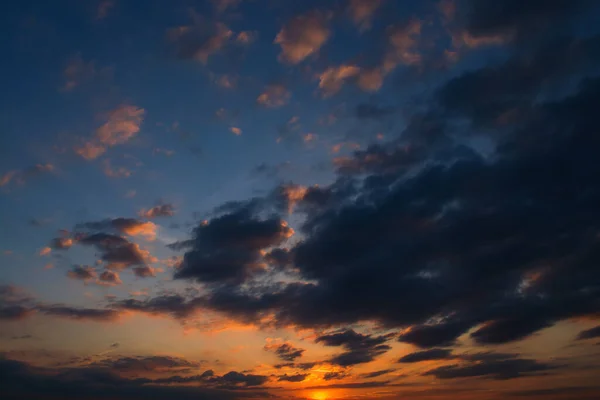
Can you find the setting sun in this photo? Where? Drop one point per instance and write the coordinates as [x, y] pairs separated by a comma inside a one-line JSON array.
[[320, 396]]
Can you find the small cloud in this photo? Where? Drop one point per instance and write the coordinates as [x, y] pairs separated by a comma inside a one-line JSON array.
[[235, 130], [309, 138], [122, 124], [82, 273], [130, 194], [45, 251], [362, 12], [201, 41], [302, 36], [274, 96], [246, 37], [332, 79], [20, 177], [109, 278], [161, 210]]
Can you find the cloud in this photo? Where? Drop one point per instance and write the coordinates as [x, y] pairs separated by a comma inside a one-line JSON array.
[[493, 366], [375, 374], [201, 41], [359, 348], [82, 272], [127, 226], [333, 78], [302, 36], [229, 248], [362, 12], [145, 364], [426, 355], [589, 333], [20, 380], [274, 96], [79, 313], [118, 252], [122, 124], [109, 278], [235, 130], [285, 351], [174, 305], [45, 251], [292, 378], [160, 210], [15, 304], [78, 71], [62, 243], [20, 177], [403, 46]]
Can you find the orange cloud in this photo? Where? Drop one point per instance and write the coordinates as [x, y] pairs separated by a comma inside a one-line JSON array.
[[274, 96], [200, 42], [332, 79], [302, 36], [403, 42], [362, 11], [122, 124], [45, 251], [235, 130], [146, 229], [23, 175], [104, 8]]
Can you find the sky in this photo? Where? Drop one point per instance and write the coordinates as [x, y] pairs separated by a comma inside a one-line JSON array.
[[336, 199]]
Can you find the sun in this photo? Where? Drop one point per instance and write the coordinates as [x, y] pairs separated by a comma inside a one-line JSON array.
[[319, 396]]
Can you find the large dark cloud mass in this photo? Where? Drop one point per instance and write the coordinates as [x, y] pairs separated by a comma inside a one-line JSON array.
[[20, 380], [432, 231]]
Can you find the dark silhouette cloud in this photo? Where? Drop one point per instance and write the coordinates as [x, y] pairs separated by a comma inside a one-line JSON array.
[[20, 380], [376, 374], [589, 333], [427, 355], [492, 365], [285, 351], [292, 378], [359, 348]]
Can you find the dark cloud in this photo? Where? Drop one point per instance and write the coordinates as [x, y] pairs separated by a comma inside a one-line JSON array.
[[285, 351], [359, 348], [169, 304], [14, 303], [79, 313], [227, 249], [517, 19], [292, 378], [235, 379], [352, 385], [117, 251], [427, 355], [109, 278], [128, 226], [492, 365], [142, 364], [82, 272], [23, 381], [335, 375], [431, 335], [376, 374], [302, 366], [589, 333]]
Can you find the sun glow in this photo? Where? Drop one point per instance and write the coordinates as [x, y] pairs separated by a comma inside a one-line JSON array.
[[320, 396]]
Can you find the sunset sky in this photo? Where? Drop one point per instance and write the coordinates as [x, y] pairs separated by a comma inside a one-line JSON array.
[[277, 199]]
